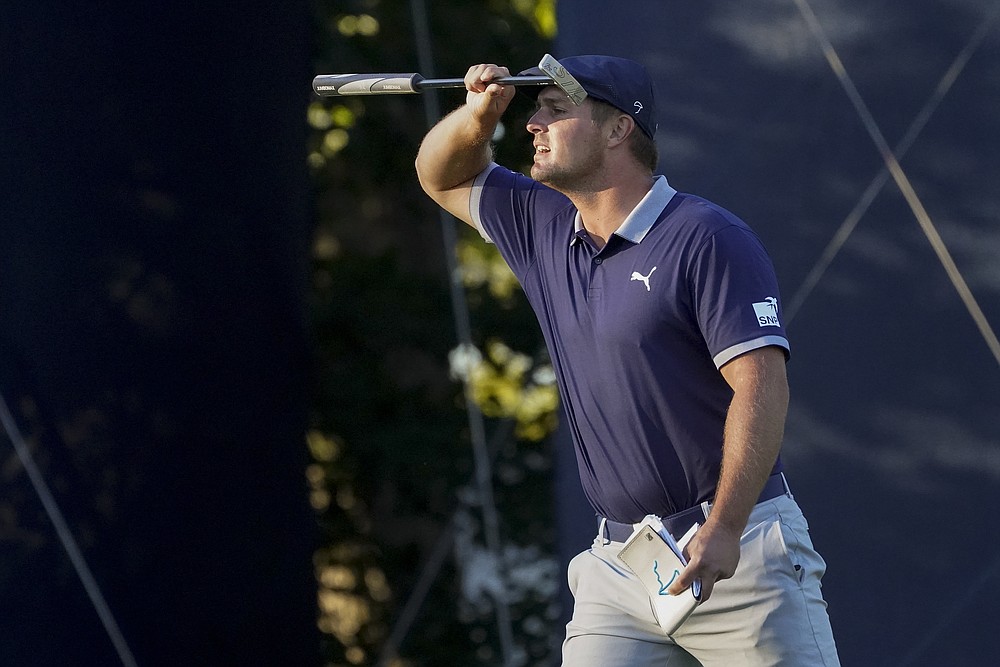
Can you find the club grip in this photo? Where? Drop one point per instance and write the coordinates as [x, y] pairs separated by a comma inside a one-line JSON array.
[[335, 85]]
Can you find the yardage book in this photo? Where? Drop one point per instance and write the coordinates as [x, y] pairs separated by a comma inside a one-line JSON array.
[[657, 559]]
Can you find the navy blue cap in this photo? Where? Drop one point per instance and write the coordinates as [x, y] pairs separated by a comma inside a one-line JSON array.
[[622, 83]]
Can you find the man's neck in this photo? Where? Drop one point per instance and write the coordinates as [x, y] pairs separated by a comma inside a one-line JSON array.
[[604, 211]]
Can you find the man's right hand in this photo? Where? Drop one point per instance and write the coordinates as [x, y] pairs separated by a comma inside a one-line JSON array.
[[486, 100]]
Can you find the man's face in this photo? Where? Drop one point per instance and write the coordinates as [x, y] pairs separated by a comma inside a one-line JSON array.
[[569, 146]]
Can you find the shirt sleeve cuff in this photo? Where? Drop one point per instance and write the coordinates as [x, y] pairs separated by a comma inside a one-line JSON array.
[[730, 353], [475, 200]]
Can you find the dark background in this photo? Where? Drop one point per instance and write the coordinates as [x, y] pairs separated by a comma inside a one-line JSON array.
[[157, 350], [155, 218], [893, 438]]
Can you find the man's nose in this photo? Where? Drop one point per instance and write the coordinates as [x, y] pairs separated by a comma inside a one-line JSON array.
[[534, 125]]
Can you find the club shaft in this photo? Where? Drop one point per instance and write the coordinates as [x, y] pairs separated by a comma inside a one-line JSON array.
[[507, 81], [338, 85]]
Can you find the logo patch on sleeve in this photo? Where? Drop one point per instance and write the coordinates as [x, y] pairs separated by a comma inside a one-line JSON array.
[[767, 312]]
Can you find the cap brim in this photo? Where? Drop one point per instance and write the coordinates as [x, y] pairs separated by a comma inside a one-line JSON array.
[[531, 91]]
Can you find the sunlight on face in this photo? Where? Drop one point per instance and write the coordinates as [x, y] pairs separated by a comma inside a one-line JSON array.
[[569, 152]]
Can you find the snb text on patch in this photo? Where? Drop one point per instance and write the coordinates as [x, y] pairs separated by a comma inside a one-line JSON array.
[[767, 312]]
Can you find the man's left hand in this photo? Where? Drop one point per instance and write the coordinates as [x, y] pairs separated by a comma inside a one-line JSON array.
[[713, 554]]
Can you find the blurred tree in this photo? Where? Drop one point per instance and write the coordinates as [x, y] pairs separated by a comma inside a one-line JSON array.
[[392, 463]]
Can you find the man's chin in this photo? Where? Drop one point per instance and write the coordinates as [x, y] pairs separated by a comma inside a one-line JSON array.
[[543, 176]]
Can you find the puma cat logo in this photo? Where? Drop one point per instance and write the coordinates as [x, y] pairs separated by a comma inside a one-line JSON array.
[[644, 278]]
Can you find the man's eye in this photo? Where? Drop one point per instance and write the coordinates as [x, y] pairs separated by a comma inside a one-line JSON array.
[[558, 110]]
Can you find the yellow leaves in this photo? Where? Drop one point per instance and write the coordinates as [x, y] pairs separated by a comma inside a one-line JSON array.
[[335, 140], [321, 117], [481, 264], [318, 116], [323, 447], [363, 25], [378, 585], [342, 116], [346, 593], [338, 577], [541, 13], [506, 384], [333, 123], [536, 415], [342, 614], [325, 450]]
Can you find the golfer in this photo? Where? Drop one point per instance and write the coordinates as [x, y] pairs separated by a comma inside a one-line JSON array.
[[662, 317]]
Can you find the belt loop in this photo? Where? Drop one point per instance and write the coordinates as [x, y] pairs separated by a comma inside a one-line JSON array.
[[602, 531], [788, 489]]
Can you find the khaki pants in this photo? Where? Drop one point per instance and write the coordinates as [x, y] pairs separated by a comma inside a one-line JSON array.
[[771, 613]]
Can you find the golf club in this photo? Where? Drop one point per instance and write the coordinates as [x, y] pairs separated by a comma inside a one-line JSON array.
[[337, 85]]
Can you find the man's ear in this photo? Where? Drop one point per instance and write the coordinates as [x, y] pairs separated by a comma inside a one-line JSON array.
[[621, 129]]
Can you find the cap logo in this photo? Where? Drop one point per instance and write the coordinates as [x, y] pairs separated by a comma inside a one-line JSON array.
[[638, 106]]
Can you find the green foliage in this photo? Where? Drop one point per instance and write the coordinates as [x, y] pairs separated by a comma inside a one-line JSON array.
[[392, 468]]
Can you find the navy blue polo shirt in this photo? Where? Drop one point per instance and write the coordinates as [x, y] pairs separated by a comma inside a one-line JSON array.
[[637, 331]]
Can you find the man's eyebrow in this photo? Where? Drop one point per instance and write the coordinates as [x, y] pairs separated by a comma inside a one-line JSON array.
[[551, 98]]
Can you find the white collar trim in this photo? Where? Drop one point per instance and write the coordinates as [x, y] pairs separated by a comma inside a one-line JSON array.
[[638, 223]]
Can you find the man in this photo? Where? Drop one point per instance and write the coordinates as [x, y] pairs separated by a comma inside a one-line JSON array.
[[660, 311]]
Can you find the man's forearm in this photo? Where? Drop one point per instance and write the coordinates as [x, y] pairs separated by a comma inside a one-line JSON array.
[[752, 438], [753, 433], [454, 151]]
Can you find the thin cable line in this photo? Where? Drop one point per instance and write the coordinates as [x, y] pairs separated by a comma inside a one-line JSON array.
[[463, 330], [875, 187], [972, 591], [66, 537], [428, 573], [903, 183], [432, 566]]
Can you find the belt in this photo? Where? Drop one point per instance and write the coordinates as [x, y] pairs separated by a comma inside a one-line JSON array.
[[680, 523]]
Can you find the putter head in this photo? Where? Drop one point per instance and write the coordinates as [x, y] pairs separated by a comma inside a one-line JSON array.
[[563, 79]]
